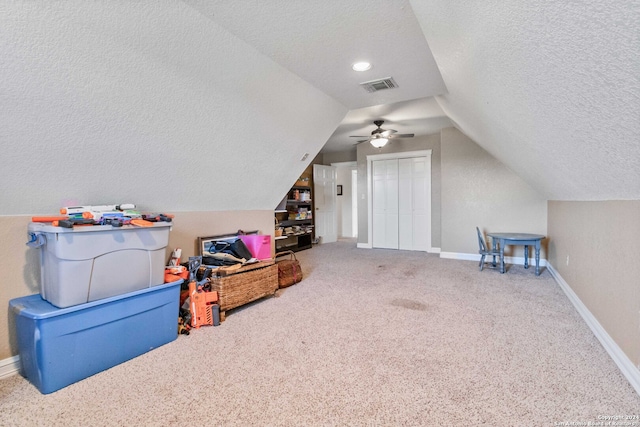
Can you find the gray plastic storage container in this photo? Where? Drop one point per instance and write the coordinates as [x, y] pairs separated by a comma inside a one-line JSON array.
[[89, 263]]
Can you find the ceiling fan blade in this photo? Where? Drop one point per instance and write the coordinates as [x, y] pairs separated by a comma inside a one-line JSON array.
[[402, 135], [382, 134]]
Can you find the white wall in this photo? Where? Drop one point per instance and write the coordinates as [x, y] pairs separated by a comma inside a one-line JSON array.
[[478, 190], [149, 103]]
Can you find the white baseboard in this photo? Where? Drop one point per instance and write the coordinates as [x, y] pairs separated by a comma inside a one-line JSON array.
[[369, 246], [460, 256], [631, 372], [476, 257], [9, 367]]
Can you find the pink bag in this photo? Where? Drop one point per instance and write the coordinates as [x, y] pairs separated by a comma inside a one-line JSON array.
[[259, 245]]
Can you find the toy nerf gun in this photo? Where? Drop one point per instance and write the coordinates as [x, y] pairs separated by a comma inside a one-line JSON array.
[[114, 220], [104, 214], [113, 215], [153, 217], [69, 223], [71, 210], [201, 303], [64, 221]]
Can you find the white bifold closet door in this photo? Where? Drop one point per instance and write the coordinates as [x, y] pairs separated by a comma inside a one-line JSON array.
[[385, 203], [401, 213]]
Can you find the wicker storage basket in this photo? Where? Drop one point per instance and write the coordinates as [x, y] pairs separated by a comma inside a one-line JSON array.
[[246, 284], [289, 271]]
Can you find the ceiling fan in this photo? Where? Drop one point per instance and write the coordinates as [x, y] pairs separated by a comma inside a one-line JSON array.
[[379, 137]]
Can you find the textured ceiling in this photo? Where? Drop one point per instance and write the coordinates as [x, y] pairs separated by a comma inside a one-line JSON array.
[[421, 117], [549, 88], [552, 89], [99, 102], [319, 41]]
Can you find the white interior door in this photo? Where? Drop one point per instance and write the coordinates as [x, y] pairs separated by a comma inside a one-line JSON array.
[[385, 204], [324, 189], [354, 203]]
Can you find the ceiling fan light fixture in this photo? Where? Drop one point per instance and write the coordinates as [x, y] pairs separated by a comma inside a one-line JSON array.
[[379, 142], [361, 66]]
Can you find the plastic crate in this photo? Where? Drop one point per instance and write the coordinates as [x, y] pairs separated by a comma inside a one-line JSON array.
[[89, 263], [60, 346]]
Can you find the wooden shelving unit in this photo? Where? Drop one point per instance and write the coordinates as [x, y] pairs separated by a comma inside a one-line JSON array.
[[295, 217]]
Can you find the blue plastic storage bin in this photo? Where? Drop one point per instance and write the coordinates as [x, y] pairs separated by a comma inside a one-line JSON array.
[[60, 346]]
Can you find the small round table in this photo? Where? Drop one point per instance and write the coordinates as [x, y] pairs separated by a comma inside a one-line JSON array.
[[525, 239]]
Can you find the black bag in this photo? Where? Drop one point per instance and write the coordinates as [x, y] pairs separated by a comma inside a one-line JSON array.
[[236, 248], [241, 250]]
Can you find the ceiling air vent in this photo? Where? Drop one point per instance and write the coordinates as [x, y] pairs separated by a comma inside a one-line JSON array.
[[380, 84]]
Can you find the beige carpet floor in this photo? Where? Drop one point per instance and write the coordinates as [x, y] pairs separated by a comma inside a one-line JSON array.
[[368, 338]]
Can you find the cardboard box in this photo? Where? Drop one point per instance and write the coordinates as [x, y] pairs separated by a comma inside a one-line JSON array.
[[60, 346], [89, 263]]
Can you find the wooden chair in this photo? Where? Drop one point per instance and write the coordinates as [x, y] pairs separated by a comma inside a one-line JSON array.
[[484, 250]]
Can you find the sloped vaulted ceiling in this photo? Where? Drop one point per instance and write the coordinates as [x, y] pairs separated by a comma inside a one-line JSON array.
[[149, 103], [550, 88], [185, 106]]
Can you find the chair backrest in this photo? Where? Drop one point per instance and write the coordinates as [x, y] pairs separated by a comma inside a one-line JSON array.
[[481, 243]]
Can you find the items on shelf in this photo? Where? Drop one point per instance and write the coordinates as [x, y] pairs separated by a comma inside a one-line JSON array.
[[297, 230], [303, 181], [300, 214], [294, 232], [294, 216], [301, 195]]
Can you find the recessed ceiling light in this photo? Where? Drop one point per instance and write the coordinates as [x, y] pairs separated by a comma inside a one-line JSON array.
[[361, 66]]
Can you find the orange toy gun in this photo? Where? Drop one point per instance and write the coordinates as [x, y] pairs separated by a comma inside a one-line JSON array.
[[201, 305]]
